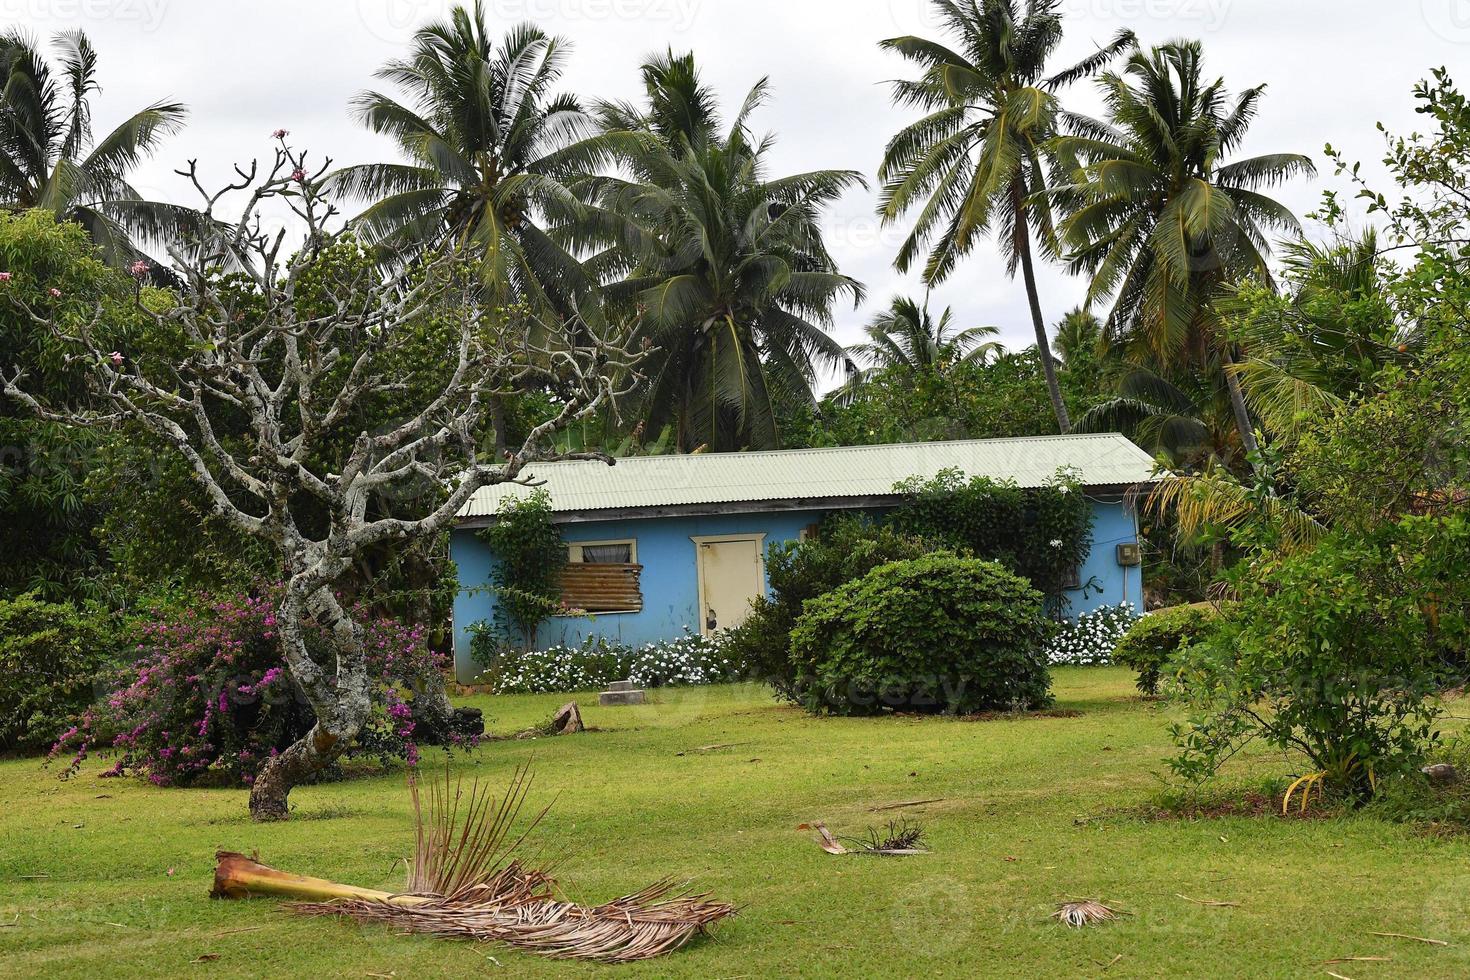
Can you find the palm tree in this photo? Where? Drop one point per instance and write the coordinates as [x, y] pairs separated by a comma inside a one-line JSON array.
[[1324, 342], [1187, 423], [49, 161], [488, 147], [973, 164], [908, 338], [1079, 337], [1160, 220], [726, 263]]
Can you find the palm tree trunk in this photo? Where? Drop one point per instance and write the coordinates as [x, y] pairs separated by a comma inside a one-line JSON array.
[[1043, 345], [1237, 403], [498, 422]]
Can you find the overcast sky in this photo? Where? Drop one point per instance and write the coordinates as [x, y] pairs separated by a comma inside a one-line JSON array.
[[1334, 68]]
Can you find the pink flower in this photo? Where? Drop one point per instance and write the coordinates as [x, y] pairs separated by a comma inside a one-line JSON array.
[[117, 358], [139, 269], [298, 175], [5, 277], [55, 293], [281, 134]]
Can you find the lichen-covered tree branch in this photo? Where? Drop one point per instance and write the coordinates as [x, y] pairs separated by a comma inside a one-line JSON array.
[[258, 376]]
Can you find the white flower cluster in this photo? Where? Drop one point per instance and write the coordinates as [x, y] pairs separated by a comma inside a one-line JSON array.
[[1092, 638], [691, 659]]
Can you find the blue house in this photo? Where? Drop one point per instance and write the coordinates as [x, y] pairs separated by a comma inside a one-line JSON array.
[[661, 543]]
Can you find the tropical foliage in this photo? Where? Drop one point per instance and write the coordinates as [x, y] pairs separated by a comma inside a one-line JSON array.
[[845, 550], [906, 337], [1158, 218], [50, 160], [975, 163], [1003, 397], [529, 558], [1042, 534], [1151, 642], [211, 698], [52, 656], [1333, 654], [940, 633], [725, 262], [1351, 614], [489, 145], [47, 509]]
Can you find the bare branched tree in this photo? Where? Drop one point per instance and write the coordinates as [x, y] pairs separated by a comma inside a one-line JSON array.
[[262, 343]]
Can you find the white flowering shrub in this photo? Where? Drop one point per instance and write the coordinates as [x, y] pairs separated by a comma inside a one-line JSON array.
[[1092, 638], [689, 660]]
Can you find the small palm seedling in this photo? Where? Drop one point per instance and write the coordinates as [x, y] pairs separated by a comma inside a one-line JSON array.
[[1076, 915], [1347, 771], [1315, 780], [465, 884]]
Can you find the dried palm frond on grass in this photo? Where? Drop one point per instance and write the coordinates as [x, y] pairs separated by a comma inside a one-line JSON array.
[[463, 883], [901, 840], [900, 837], [1085, 913]]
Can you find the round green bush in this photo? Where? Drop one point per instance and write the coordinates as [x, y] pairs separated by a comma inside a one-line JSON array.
[[1155, 638], [940, 633], [846, 549]]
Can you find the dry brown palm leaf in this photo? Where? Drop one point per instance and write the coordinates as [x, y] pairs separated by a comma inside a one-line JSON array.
[[825, 840], [463, 883], [1085, 913], [900, 840]]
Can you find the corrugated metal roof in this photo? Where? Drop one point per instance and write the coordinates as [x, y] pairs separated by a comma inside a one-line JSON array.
[[817, 474]]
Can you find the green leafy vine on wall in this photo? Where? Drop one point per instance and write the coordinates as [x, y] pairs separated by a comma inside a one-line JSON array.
[[530, 558], [1041, 533]]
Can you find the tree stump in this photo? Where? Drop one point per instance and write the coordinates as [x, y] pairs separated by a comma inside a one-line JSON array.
[[567, 720]]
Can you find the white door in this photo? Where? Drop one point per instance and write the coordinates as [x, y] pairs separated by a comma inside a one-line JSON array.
[[731, 575]]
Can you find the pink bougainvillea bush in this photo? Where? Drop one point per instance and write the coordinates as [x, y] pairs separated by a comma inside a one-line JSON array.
[[209, 698]]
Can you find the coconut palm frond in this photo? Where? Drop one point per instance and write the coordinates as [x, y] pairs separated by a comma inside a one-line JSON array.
[[1287, 402], [465, 884], [1219, 500], [1158, 218], [1085, 913], [516, 908], [491, 154], [454, 853], [48, 159], [976, 164]]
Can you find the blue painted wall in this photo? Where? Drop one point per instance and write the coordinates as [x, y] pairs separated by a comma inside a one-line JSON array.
[[1104, 581], [671, 582]]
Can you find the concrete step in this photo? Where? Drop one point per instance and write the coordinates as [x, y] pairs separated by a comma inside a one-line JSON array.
[[609, 699], [622, 686]]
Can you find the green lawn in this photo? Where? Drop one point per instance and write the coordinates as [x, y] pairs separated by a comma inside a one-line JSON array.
[[1031, 812]]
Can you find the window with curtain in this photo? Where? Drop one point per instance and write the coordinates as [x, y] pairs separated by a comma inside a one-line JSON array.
[[607, 554]]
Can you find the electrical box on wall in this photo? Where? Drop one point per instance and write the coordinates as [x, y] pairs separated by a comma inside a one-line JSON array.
[[1130, 555]]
